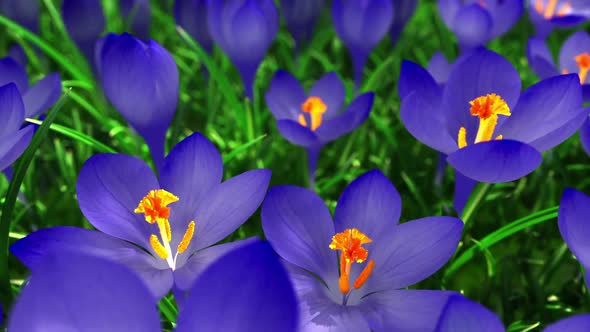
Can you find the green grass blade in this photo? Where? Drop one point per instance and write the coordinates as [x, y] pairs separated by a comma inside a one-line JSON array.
[[499, 235], [242, 148], [20, 170], [78, 136]]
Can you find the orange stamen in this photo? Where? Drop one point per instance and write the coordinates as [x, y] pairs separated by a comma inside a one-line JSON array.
[[316, 108], [360, 281], [550, 9], [159, 249], [487, 108], [583, 61], [154, 205], [350, 242], [186, 239], [564, 10]]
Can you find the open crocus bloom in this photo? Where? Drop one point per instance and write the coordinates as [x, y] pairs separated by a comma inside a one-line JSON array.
[[476, 22], [162, 228], [549, 14], [489, 130], [79, 292], [574, 57], [315, 118], [348, 273]]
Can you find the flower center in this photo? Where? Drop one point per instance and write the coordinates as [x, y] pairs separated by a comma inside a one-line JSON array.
[[487, 108], [551, 9], [583, 61], [155, 208], [315, 107], [350, 243]]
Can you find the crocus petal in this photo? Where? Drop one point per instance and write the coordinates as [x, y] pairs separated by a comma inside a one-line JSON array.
[[448, 9], [83, 293], [24, 12], [191, 15], [298, 225], [574, 227], [13, 145], [463, 188], [575, 45], [137, 14], [540, 58], [17, 53], [426, 123], [109, 188], [185, 275], [191, 170], [84, 20], [440, 68], [250, 34], [402, 13], [301, 17], [505, 14], [352, 117], [296, 133], [414, 251], [462, 314], [579, 323], [254, 282], [12, 109], [332, 92], [37, 246], [585, 136], [496, 161], [371, 204], [285, 96], [42, 95], [404, 310], [13, 72], [415, 78], [227, 206], [473, 26], [543, 109], [479, 74]]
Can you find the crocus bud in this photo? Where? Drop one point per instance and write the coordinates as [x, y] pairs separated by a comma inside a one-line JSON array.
[[141, 81], [191, 15], [137, 15], [13, 139], [244, 30], [402, 12], [301, 16], [23, 12], [361, 25], [84, 21]]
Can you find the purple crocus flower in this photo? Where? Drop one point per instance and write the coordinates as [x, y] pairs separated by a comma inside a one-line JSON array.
[[574, 57], [23, 12], [141, 81], [489, 130], [77, 292], [378, 257], [476, 22], [462, 315], [301, 17], [578, 323], [84, 20], [162, 228], [547, 15], [191, 15], [137, 13], [244, 29], [361, 25], [403, 10], [311, 120]]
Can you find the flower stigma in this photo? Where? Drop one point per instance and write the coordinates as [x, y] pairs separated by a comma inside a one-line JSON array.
[[315, 107], [155, 208], [487, 108], [551, 9], [350, 243]]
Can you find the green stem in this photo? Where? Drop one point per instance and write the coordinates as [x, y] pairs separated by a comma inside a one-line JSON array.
[[474, 201]]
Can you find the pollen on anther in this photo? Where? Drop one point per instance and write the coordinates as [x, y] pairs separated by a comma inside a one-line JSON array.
[[486, 106], [154, 205], [158, 247], [186, 239]]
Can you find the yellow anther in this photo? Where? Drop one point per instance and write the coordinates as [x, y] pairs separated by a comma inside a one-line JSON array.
[[462, 139], [487, 108], [186, 239], [158, 247], [154, 205], [551, 9], [168, 230], [583, 61], [316, 108], [360, 281]]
